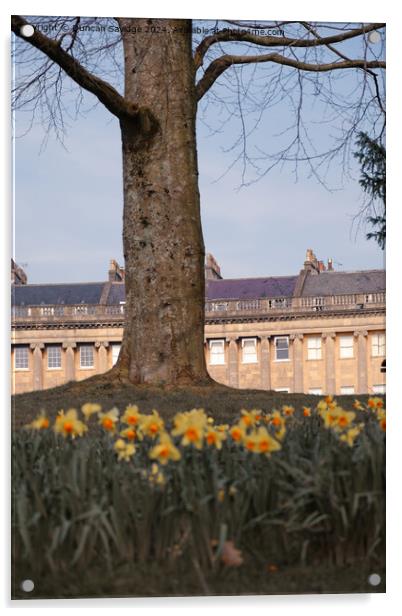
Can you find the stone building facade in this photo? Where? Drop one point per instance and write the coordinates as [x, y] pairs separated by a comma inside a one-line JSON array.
[[321, 331]]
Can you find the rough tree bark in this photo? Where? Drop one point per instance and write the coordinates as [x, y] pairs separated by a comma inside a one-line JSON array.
[[163, 245]]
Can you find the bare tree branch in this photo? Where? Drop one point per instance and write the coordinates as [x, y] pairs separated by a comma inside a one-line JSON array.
[[218, 66], [104, 92], [276, 41]]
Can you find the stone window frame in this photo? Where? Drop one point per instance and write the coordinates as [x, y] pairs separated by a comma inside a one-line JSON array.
[[217, 342], [315, 348], [343, 347], [347, 393], [49, 349], [380, 386], [243, 346], [283, 390], [276, 348], [377, 345], [26, 354], [86, 347], [315, 391], [114, 346]]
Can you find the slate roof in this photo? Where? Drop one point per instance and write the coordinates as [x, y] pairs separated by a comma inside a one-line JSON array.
[[74, 293], [325, 283], [117, 293], [251, 288], [340, 283]]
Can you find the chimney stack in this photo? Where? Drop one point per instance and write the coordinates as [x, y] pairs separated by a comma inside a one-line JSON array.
[[330, 266], [18, 276], [212, 269], [116, 272], [311, 263]]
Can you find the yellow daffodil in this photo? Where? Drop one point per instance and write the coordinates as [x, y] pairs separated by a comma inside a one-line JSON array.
[[165, 450], [221, 495], [129, 433], [40, 423], [382, 422], [288, 411], [89, 409], [265, 443], [375, 403], [306, 411], [215, 437], [276, 420], [151, 425], [109, 420], [322, 406], [68, 424], [131, 415], [358, 405], [344, 418], [237, 433], [222, 427], [249, 441], [249, 418], [124, 450], [191, 426], [350, 436]]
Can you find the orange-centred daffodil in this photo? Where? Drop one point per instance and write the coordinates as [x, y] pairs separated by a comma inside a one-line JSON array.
[[68, 424]]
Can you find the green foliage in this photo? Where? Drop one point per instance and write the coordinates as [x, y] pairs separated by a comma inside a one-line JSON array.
[[77, 511], [372, 158]]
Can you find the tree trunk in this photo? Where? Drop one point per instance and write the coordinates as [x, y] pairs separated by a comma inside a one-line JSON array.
[[163, 340]]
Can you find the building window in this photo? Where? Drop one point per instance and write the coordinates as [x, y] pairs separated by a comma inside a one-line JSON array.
[[217, 352], [378, 345], [345, 347], [282, 348], [53, 357], [249, 350], [115, 352], [347, 390], [316, 391], [379, 389], [21, 358], [314, 348], [283, 390], [86, 356]]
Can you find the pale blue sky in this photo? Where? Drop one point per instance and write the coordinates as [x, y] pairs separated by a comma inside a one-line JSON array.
[[68, 204]]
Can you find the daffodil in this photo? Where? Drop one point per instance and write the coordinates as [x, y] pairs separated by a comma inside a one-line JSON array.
[[41, 422], [358, 405], [306, 411], [131, 415], [287, 410], [191, 426], [265, 443], [109, 420], [249, 418], [350, 436], [249, 441], [90, 408], [68, 424], [215, 437], [382, 422], [124, 450], [151, 425], [165, 450], [129, 433], [276, 419], [237, 433], [222, 427], [344, 419], [375, 403]]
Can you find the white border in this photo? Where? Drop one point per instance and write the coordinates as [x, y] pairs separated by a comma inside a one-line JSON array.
[[311, 10]]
